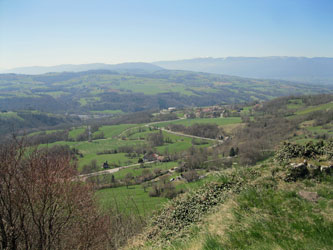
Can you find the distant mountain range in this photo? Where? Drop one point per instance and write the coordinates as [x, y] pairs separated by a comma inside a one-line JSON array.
[[318, 70], [122, 68]]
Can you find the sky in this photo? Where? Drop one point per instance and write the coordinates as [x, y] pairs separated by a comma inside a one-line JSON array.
[[52, 32]]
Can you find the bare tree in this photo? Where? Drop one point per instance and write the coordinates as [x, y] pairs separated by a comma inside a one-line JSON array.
[[41, 206], [128, 179]]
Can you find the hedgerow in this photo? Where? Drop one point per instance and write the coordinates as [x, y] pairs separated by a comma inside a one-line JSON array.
[[184, 210]]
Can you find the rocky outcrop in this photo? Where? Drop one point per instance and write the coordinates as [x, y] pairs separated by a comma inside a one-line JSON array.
[[304, 170], [313, 170], [326, 169]]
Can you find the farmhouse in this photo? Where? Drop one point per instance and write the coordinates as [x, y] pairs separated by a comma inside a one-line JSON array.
[[155, 157], [150, 157]]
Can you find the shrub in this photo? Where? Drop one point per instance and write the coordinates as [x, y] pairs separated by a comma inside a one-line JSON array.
[[191, 176], [288, 150]]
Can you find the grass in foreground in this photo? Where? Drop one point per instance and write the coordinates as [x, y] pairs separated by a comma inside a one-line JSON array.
[[268, 213], [266, 219]]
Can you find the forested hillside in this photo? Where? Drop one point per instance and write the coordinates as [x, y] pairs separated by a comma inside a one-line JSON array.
[[131, 91]]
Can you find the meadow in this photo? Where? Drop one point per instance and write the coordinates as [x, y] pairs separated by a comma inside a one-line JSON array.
[[189, 122], [129, 200]]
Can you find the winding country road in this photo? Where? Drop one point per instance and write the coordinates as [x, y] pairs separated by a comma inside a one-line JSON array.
[[192, 136], [114, 170], [172, 132]]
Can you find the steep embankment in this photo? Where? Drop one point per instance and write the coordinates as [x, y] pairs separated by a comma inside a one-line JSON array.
[[282, 204]]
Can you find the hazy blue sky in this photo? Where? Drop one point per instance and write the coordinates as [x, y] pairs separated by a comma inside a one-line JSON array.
[[50, 32]]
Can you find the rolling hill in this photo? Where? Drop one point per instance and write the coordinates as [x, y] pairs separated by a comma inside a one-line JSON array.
[[318, 70], [128, 90], [36, 70]]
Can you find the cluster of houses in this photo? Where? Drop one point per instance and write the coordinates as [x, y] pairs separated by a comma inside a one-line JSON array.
[[155, 157], [216, 111], [213, 112], [208, 112], [168, 111]]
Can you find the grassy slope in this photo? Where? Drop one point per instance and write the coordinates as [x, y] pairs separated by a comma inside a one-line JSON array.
[[267, 214], [271, 218], [137, 170], [115, 130], [310, 109]]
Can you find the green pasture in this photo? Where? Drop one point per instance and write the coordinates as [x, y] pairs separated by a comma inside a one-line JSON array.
[[115, 130], [83, 101], [189, 122], [321, 130], [295, 104], [137, 170], [246, 110], [133, 135], [9, 114], [315, 108], [90, 150], [75, 132], [131, 200], [50, 131], [119, 159], [107, 112], [179, 143]]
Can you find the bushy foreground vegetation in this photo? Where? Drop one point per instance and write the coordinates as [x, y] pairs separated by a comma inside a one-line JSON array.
[[43, 207], [288, 151], [248, 208]]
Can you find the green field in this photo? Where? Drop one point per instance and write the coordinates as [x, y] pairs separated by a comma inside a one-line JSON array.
[[115, 130], [131, 200], [90, 150], [106, 112], [50, 131], [137, 170], [75, 132], [9, 115], [189, 122], [308, 110]]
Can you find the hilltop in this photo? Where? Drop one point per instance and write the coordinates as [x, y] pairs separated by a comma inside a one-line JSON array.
[[37, 70]]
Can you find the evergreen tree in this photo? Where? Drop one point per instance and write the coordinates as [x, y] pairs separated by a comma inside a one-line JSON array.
[[232, 152]]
